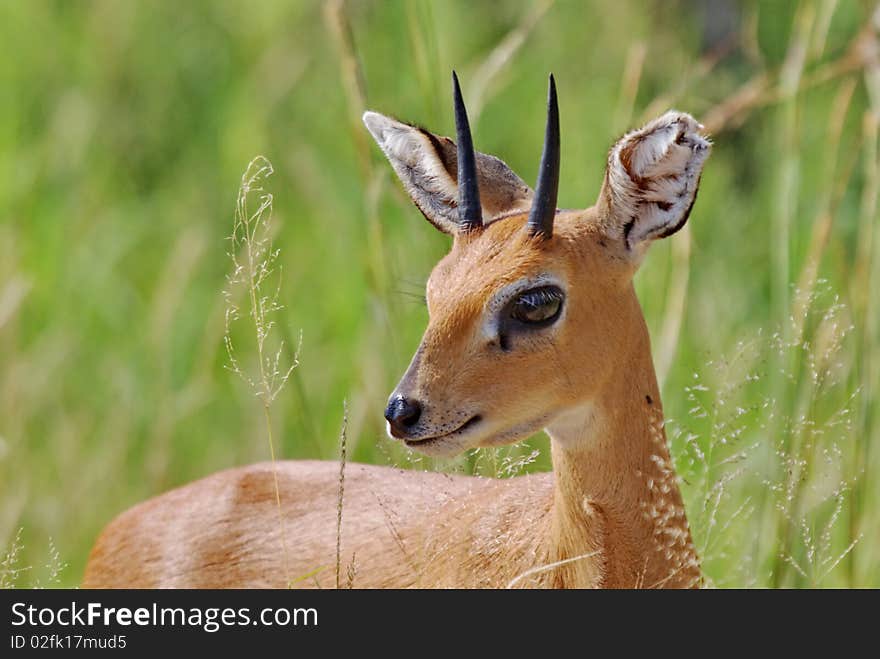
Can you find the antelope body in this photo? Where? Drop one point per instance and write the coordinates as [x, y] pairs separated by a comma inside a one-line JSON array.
[[534, 323]]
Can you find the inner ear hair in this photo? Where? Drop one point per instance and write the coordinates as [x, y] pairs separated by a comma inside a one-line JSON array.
[[502, 191], [427, 165], [416, 159], [445, 150], [652, 179]]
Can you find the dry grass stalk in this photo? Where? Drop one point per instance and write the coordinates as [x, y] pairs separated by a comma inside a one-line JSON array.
[[343, 450], [254, 262]]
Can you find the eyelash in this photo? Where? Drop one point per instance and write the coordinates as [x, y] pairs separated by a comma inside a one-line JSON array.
[[530, 300], [538, 297]]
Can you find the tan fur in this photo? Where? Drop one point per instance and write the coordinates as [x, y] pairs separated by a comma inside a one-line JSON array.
[[610, 514]]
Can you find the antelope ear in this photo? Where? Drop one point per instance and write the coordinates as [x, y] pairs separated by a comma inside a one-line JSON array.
[[427, 165], [651, 182]]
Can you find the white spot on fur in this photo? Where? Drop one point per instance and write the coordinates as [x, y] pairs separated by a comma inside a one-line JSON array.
[[573, 424]]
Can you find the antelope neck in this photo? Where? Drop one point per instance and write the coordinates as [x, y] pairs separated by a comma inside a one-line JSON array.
[[614, 479]]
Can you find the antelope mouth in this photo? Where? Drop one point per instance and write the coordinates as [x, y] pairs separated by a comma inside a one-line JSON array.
[[438, 439]]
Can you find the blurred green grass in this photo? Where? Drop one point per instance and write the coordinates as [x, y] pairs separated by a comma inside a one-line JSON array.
[[124, 129]]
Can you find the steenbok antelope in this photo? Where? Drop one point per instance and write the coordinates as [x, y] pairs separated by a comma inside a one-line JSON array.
[[534, 323]]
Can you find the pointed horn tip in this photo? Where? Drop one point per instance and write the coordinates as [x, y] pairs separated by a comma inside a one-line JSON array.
[[457, 96]]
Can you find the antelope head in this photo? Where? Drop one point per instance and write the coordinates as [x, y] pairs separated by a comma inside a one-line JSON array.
[[533, 309]]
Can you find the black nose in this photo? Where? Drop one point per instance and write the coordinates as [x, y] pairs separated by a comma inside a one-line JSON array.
[[402, 413]]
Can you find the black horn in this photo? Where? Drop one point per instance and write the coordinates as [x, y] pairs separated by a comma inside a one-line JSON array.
[[544, 206], [470, 213]]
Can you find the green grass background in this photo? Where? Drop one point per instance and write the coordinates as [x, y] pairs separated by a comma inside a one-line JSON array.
[[124, 130]]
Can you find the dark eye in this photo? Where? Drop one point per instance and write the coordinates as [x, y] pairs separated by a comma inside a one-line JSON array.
[[538, 306]]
